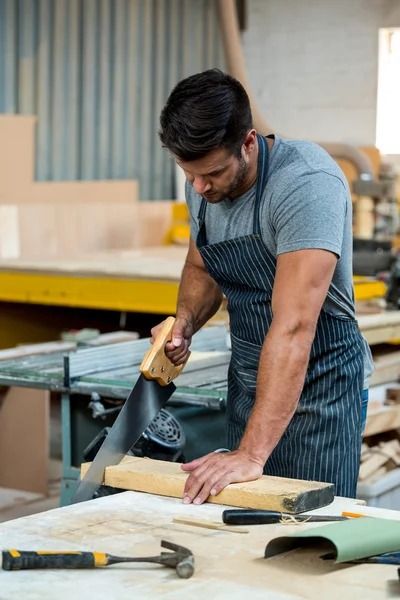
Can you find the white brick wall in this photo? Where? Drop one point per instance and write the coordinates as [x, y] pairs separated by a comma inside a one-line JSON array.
[[313, 65]]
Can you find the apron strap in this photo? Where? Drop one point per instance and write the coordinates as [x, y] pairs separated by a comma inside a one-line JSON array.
[[202, 210], [262, 177]]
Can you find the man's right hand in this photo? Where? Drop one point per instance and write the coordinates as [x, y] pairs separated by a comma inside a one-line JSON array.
[[177, 350]]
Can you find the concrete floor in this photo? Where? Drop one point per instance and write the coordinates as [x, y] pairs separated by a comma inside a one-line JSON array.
[[16, 503]]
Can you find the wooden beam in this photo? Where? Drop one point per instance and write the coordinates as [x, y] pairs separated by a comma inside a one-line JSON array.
[[380, 328], [269, 493], [382, 419]]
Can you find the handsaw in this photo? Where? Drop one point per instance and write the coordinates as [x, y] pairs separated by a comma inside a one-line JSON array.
[[150, 394]]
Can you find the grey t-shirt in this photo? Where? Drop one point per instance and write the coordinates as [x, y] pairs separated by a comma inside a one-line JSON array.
[[305, 204]]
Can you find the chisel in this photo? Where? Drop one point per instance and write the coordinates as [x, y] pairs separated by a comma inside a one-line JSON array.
[[268, 517]]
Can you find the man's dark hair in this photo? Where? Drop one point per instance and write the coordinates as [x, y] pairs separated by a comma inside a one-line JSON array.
[[206, 111]]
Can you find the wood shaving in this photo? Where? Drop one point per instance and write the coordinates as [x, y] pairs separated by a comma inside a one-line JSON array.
[[293, 521]]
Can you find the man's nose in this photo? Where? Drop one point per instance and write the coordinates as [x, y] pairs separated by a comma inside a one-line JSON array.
[[201, 186]]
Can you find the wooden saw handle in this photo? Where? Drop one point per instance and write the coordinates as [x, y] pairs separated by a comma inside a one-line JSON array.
[[155, 364]]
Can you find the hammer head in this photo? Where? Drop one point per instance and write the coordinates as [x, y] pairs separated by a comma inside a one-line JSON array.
[[181, 558]]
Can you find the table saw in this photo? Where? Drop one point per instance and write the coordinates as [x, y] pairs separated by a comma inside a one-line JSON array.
[[95, 381]]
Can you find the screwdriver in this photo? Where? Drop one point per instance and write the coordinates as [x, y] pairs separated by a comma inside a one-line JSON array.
[[268, 517]]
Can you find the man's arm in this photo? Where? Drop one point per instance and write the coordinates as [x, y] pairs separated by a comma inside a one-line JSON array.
[[301, 283], [199, 298], [199, 295]]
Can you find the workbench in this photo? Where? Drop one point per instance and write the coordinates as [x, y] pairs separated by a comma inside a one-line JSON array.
[[228, 565], [143, 280], [131, 281]]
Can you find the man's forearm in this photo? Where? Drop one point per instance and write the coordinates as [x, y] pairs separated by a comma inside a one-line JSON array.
[[199, 296], [281, 374]]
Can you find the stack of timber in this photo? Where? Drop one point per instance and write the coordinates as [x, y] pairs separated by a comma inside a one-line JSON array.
[[377, 460], [386, 364], [380, 451]]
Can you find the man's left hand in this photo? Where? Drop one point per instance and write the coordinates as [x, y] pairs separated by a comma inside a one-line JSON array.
[[210, 474]]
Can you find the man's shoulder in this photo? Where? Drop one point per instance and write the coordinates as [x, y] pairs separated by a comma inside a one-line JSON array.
[[301, 157], [298, 162]]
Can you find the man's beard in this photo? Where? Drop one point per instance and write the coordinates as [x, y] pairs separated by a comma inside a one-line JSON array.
[[236, 183]]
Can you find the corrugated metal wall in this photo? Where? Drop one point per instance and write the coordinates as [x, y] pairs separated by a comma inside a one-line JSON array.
[[97, 73]]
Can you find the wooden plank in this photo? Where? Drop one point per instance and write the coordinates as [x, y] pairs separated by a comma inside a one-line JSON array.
[[24, 439], [380, 328], [17, 182], [372, 464], [378, 457], [269, 493], [392, 396], [386, 365], [115, 337], [162, 263], [381, 472], [385, 373], [382, 419], [35, 349]]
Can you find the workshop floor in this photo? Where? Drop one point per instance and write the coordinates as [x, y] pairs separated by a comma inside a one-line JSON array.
[[16, 503]]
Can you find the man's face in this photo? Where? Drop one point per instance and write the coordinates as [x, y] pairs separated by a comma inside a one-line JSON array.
[[217, 175]]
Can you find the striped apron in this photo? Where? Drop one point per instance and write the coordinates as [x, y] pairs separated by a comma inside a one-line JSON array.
[[323, 440]]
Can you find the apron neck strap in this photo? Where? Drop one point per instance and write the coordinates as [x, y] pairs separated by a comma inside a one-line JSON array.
[[262, 177]]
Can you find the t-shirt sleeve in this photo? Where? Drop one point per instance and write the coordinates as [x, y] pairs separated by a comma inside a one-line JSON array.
[[311, 213], [193, 208]]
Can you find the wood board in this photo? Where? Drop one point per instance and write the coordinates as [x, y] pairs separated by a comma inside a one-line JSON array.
[[381, 419], [25, 439], [71, 217], [68, 231], [162, 263], [380, 328], [17, 178], [268, 493]]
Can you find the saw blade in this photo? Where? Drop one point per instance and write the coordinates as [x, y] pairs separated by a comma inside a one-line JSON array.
[[143, 404]]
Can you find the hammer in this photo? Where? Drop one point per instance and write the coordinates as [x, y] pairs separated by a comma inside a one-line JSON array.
[[181, 559]]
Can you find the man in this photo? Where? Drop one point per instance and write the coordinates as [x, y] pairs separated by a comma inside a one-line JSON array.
[[271, 228]]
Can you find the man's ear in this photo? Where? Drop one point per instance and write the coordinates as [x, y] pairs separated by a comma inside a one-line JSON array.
[[250, 141]]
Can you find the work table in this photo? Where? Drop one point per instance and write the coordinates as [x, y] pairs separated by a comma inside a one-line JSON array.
[[228, 565]]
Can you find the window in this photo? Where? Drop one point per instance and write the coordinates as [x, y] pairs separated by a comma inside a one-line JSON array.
[[388, 108]]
